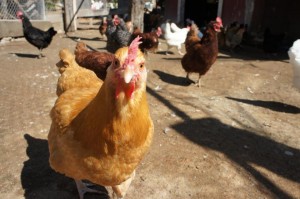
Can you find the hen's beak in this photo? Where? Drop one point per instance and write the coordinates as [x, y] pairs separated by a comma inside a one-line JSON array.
[[128, 74]]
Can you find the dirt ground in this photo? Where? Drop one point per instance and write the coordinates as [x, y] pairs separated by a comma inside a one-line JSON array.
[[235, 137]]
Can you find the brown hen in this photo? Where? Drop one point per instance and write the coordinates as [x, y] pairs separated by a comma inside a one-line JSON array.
[[149, 39], [202, 54], [93, 60]]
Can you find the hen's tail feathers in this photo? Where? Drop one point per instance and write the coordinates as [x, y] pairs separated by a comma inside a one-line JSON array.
[[174, 27], [52, 32], [294, 55], [136, 31], [194, 30]]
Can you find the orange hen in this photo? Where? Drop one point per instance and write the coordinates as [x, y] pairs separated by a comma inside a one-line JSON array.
[[72, 75], [101, 133]]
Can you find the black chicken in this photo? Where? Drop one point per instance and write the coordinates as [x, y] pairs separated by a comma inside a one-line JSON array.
[[36, 37]]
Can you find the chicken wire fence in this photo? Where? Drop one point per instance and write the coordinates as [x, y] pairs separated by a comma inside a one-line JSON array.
[[90, 8], [33, 9]]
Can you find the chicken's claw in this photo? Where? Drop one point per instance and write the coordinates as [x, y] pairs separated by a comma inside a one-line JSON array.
[[121, 189], [83, 188], [180, 53]]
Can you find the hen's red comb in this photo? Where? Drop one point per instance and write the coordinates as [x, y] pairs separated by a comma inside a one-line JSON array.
[[133, 50], [19, 13], [218, 19]]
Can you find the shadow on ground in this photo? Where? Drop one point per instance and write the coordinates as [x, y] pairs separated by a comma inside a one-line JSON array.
[[243, 147], [172, 79], [252, 53], [275, 106], [40, 181], [26, 55]]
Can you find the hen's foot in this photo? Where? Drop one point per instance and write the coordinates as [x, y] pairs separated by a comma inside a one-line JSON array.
[[41, 55], [121, 189], [189, 81], [180, 53], [198, 84], [83, 188]]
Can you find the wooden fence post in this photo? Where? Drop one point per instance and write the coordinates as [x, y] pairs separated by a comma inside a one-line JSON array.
[[137, 13], [70, 16]]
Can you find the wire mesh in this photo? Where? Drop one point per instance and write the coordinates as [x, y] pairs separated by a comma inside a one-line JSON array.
[[54, 5], [90, 8], [33, 9]]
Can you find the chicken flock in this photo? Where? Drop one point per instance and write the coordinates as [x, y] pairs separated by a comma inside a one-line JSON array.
[[101, 125]]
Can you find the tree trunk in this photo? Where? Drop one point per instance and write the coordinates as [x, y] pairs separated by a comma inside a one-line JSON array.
[[137, 13]]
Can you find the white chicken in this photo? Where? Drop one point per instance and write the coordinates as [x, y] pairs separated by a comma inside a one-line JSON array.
[[175, 28], [175, 38], [294, 55]]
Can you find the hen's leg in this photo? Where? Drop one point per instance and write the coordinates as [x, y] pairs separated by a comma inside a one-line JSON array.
[[41, 54], [121, 189], [168, 48], [187, 76], [83, 188], [146, 53], [188, 80], [198, 83], [179, 51]]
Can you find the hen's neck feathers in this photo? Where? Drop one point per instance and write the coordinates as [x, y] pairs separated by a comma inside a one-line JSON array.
[[106, 118], [26, 23], [209, 36]]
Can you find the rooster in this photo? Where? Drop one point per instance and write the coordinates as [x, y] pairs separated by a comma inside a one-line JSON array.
[[102, 132], [174, 39], [93, 60], [36, 37], [294, 55], [117, 34], [201, 54], [149, 39]]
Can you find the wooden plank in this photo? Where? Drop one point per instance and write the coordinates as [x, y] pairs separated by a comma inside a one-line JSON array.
[[92, 13]]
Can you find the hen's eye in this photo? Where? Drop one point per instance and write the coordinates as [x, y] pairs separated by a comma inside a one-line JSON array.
[[142, 66], [116, 63]]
